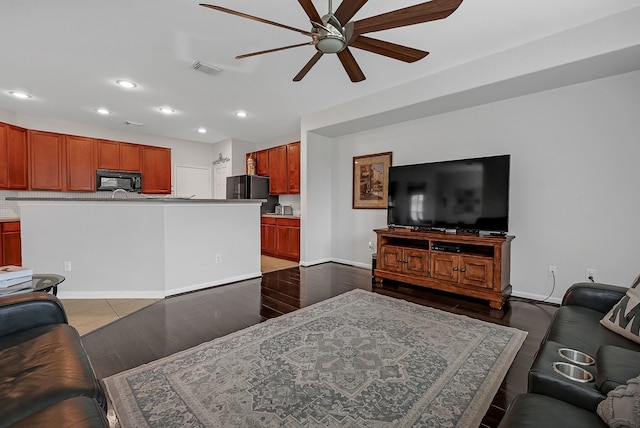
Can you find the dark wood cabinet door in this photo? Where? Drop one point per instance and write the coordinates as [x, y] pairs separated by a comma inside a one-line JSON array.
[[293, 172], [262, 162], [81, 168], [130, 157], [476, 271], [268, 238], [4, 159], [156, 170], [46, 152], [390, 258], [416, 262], [11, 244], [17, 155], [108, 154], [278, 170], [444, 266]]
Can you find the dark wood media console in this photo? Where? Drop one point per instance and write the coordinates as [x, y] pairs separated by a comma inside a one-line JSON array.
[[466, 264]]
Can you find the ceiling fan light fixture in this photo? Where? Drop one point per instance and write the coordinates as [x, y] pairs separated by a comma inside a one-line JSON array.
[[330, 43]]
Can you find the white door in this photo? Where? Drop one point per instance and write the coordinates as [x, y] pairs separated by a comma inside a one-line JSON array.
[[193, 182], [220, 174]]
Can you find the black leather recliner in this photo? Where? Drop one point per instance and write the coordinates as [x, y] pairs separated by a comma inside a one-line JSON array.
[[46, 378], [556, 401]]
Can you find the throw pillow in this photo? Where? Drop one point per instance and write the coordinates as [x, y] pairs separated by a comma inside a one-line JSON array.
[[624, 317], [621, 408]]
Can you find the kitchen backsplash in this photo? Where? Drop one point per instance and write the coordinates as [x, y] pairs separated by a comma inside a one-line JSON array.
[[293, 200]]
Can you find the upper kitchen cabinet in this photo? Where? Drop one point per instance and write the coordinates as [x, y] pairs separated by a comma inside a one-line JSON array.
[[262, 162], [81, 168], [47, 160], [14, 167], [156, 170], [278, 170], [293, 172], [119, 156]]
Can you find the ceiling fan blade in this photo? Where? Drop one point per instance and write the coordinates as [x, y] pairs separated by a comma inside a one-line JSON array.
[[308, 66], [350, 65], [310, 10], [417, 14], [347, 9], [255, 18], [273, 50], [388, 49]]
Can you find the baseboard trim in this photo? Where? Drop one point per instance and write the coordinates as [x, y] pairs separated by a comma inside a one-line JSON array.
[[536, 297]]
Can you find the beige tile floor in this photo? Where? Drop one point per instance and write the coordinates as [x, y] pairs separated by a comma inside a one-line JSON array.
[[87, 315]]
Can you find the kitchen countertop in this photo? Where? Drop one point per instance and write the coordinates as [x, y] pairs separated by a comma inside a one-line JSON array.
[[8, 219], [138, 200], [280, 215]]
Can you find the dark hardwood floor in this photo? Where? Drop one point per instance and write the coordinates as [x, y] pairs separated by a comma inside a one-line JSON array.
[[184, 321]]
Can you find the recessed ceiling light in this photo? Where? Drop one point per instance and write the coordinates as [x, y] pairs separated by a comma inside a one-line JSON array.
[[242, 113], [19, 94], [103, 111], [166, 110], [202, 130], [126, 84]]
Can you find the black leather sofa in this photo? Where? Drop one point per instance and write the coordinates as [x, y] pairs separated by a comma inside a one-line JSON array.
[[557, 401], [46, 378]]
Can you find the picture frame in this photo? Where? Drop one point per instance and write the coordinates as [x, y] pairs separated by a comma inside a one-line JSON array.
[[371, 180]]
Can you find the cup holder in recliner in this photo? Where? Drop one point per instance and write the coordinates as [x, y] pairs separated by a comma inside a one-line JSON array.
[[572, 372], [576, 357]]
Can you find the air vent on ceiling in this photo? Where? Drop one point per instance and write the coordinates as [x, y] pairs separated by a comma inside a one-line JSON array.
[[206, 68], [128, 122]]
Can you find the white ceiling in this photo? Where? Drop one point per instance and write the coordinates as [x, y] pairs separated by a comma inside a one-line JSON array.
[[67, 54]]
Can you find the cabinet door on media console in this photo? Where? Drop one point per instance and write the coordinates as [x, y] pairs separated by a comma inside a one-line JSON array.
[[411, 261], [463, 269]]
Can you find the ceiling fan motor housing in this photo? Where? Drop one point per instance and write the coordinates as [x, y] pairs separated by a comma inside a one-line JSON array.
[[331, 35]]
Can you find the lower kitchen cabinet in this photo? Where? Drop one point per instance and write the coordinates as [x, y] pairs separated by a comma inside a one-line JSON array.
[[10, 244], [280, 237]]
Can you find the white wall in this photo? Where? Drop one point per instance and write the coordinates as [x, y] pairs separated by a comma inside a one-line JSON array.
[[574, 187]]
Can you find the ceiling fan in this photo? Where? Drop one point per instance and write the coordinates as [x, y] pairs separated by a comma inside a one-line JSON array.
[[329, 34]]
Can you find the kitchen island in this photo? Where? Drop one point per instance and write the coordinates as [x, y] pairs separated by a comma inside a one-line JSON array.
[[140, 248]]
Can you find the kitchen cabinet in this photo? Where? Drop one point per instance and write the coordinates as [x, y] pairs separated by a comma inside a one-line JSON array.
[[280, 237], [293, 168], [156, 170], [10, 243], [47, 160], [278, 170], [80, 164], [118, 155], [268, 235], [14, 166], [261, 159]]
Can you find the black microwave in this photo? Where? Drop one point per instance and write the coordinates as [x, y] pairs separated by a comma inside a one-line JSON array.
[[107, 179]]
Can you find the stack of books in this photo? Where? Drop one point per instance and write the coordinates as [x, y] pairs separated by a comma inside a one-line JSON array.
[[15, 279]]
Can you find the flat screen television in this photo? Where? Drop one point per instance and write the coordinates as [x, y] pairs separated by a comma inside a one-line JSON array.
[[469, 195]]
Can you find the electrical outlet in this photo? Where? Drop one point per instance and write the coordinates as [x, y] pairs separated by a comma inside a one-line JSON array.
[[370, 246], [67, 266], [218, 258], [590, 275], [553, 271]]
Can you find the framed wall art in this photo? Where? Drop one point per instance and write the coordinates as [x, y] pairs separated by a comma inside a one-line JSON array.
[[371, 180]]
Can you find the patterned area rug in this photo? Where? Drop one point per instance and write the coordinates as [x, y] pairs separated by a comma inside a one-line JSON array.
[[357, 360]]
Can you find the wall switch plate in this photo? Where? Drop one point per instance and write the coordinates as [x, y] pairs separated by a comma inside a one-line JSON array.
[[218, 258], [67, 266]]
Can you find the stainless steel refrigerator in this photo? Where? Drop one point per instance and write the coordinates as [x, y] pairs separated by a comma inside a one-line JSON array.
[[252, 187]]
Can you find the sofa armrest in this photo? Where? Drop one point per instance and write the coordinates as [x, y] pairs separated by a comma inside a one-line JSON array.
[[26, 311], [596, 296], [615, 366]]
